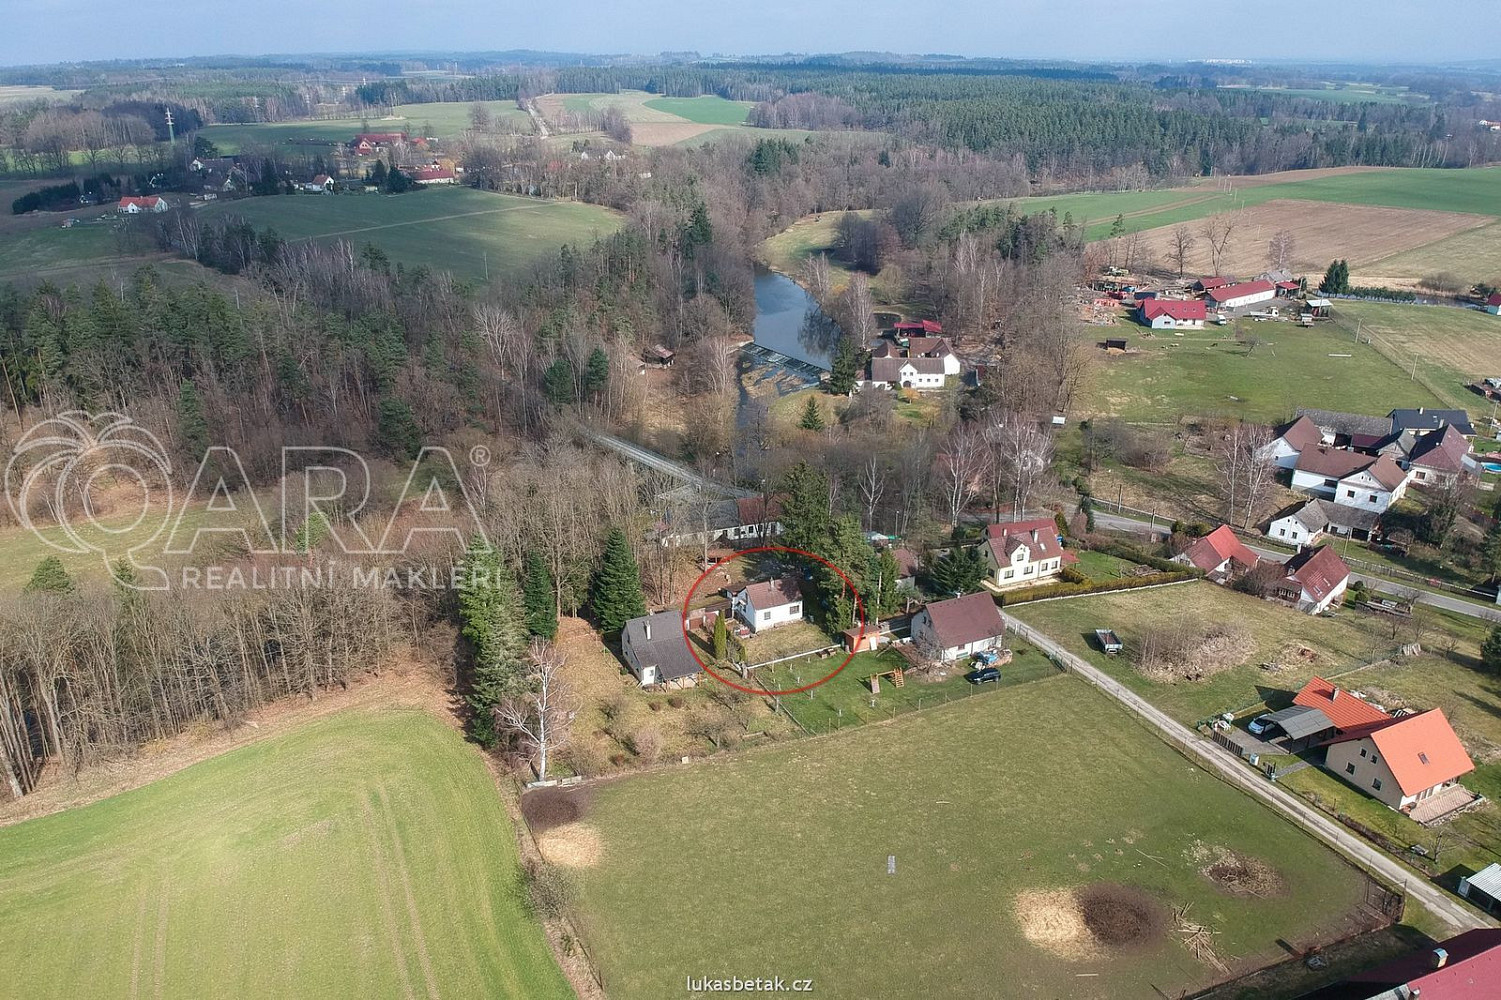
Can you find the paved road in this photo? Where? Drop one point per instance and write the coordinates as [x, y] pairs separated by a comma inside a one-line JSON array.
[[541, 123], [665, 465], [1458, 605], [1457, 915]]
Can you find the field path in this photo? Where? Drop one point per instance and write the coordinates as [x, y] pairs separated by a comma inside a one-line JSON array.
[[413, 916], [159, 951], [373, 828], [140, 940], [1456, 915]]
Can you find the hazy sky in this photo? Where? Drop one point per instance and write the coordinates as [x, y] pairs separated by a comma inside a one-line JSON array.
[[33, 31]]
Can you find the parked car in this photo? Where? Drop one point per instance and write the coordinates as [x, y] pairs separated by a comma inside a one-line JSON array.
[[1259, 725], [983, 675]]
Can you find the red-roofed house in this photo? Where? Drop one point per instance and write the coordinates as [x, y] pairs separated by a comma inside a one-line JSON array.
[[1439, 456], [1173, 314], [1401, 761], [1205, 284], [1219, 554], [923, 328], [1350, 477], [1313, 580], [1493, 304], [1341, 707], [959, 627], [769, 604], [1247, 293], [1023, 553], [1465, 967], [434, 175], [147, 203]]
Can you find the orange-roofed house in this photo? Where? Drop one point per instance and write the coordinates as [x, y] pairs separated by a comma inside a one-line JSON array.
[[1404, 762], [1219, 554], [1340, 707]]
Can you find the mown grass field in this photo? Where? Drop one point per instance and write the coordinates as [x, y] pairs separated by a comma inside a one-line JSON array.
[[1452, 347], [364, 855], [1208, 372], [707, 110], [453, 229], [42, 250], [777, 863]]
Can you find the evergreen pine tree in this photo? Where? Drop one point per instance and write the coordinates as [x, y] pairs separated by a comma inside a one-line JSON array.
[[492, 619], [812, 416], [721, 638], [537, 596], [399, 434], [615, 592], [958, 571], [1490, 651], [1118, 227], [597, 371], [846, 548], [192, 426], [805, 508], [884, 599], [49, 577], [557, 382], [844, 368]]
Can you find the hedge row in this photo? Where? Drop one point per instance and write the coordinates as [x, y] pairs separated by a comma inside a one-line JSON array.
[[1121, 550], [1078, 589]]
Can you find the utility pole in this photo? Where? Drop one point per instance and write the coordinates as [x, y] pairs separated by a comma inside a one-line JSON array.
[[171, 132]]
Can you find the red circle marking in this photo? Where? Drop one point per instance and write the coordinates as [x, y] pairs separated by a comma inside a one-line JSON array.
[[859, 609]]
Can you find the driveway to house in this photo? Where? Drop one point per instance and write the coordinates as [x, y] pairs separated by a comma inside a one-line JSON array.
[[1458, 916], [1444, 602]]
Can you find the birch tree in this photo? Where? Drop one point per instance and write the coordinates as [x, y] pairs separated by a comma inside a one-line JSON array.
[[541, 719]]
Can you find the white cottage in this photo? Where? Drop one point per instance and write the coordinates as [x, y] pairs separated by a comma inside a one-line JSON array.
[[769, 603]]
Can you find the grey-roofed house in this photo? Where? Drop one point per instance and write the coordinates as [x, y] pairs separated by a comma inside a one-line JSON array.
[[656, 651], [1426, 418], [1304, 524]]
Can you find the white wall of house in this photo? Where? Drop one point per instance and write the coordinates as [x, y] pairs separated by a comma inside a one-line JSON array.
[[1166, 322], [1022, 570], [1358, 763], [926, 639], [1313, 483], [1363, 490], [1306, 601], [1282, 453], [1292, 531], [769, 617], [1249, 300], [912, 377]]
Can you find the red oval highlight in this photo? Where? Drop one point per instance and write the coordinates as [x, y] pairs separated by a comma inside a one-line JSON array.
[[859, 609]]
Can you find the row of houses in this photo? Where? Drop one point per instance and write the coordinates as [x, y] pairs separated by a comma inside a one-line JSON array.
[[914, 355], [1313, 580]]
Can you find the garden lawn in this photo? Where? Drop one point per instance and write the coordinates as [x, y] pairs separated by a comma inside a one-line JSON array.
[[1339, 643], [774, 862], [455, 229], [367, 854], [846, 699]]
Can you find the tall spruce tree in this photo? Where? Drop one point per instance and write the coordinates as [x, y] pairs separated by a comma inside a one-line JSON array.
[[721, 638], [538, 597], [615, 593], [812, 416], [49, 577], [494, 622], [844, 368], [1490, 651], [805, 508]]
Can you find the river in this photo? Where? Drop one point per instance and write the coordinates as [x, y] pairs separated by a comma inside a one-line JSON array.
[[789, 322]]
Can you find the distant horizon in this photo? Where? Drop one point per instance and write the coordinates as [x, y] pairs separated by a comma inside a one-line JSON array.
[[1373, 32]]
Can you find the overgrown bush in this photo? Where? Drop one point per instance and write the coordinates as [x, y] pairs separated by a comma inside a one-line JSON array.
[[550, 889]]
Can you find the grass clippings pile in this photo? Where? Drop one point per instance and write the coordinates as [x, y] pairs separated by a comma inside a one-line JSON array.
[[572, 845], [1079, 924], [1191, 651]]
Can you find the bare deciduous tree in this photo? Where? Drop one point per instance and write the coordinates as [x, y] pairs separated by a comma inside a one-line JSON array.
[[1218, 230], [1247, 470], [960, 468], [542, 718], [1279, 250], [1181, 246]]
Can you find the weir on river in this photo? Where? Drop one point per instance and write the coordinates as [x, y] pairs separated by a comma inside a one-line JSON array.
[[766, 355]]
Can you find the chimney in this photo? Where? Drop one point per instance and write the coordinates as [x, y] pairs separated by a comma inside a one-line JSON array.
[[1333, 694], [1034, 536], [1439, 958], [647, 626]]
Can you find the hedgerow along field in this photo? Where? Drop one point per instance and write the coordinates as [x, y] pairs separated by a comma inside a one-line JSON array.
[[454, 228], [1042, 840], [364, 855]]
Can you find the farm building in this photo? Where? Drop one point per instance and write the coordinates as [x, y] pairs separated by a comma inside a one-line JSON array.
[[920, 363], [1350, 477], [658, 356], [1206, 284], [1313, 580], [1247, 293], [1306, 523], [434, 175], [959, 627], [148, 203], [1341, 429], [1170, 314], [655, 650], [1461, 968], [1292, 440], [1023, 553], [1493, 304], [321, 184], [1403, 762], [919, 328], [769, 603], [1425, 419], [709, 521], [1219, 554]]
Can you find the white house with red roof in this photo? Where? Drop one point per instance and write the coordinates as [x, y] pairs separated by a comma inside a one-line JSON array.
[[1220, 554], [961, 626], [1023, 553], [1493, 304], [1313, 580], [1238, 296], [1371, 482], [1401, 761], [430, 175], [153, 203], [919, 362], [1173, 314], [1292, 440], [769, 603], [1440, 457]]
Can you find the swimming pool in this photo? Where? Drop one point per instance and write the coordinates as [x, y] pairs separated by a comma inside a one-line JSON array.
[[1491, 466]]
